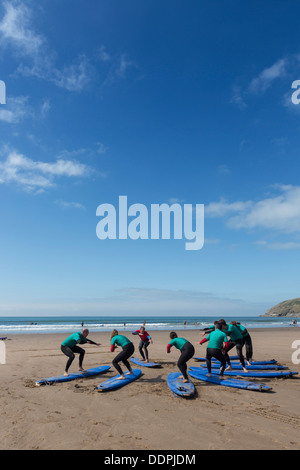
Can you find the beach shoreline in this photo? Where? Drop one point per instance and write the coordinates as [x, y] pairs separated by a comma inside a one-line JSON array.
[[143, 415]]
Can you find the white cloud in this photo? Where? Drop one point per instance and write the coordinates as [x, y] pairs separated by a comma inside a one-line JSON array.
[[15, 29], [17, 32], [237, 97], [15, 110], [268, 75], [35, 175], [102, 54], [223, 208], [280, 212], [152, 301], [70, 205], [74, 77]]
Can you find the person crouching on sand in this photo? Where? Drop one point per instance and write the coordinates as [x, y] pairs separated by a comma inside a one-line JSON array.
[[187, 352], [127, 351], [69, 348]]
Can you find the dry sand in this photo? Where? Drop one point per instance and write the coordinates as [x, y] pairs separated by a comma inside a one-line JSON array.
[[144, 415]]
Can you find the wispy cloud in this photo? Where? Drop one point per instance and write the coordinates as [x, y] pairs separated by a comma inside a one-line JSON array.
[[70, 205], [262, 82], [283, 68], [38, 59], [17, 32], [151, 301], [33, 175], [15, 110], [280, 211], [290, 245]]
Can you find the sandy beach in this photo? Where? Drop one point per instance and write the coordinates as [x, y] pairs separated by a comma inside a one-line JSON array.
[[144, 415]]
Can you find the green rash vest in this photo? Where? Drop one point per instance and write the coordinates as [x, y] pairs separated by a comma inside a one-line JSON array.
[[178, 343], [216, 339], [73, 339], [120, 340], [243, 330], [233, 332]]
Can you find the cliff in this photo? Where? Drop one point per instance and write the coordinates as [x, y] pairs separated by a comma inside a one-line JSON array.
[[288, 308]]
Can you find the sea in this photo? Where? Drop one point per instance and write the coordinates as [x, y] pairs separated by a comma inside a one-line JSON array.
[[69, 324]]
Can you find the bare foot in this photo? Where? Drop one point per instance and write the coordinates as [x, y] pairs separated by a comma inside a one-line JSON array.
[[81, 369], [122, 377], [185, 381], [229, 368], [180, 377], [244, 369], [66, 374], [208, 375]]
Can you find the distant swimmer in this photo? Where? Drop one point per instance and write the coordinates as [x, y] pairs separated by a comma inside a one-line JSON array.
[[145, 340], [69, 348], [127, 351], [187, 351], [217, 339]]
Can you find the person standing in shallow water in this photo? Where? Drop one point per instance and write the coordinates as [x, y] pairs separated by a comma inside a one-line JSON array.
[[69, 348], [187, 351]]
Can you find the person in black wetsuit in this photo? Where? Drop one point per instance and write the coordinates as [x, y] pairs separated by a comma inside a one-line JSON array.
[[145, 340], [187, 352], [216, 339]]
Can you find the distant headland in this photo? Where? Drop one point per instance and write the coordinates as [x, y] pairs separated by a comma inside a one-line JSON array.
[[288, 308]]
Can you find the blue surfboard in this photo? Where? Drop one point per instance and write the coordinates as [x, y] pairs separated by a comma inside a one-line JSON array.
[[254, 363], [73, 376], [233, 383], [241, 373], [177, 386], [113, 383], [139, 362], [217, 365]]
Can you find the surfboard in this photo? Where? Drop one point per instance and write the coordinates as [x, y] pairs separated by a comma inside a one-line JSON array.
[[73, 376], [254, 363], [233, 383], [113, 383], [241, 373], [217, 365], [177, 386], [138, 361]]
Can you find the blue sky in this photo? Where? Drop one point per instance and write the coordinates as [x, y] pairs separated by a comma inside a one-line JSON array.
[[186, 102]]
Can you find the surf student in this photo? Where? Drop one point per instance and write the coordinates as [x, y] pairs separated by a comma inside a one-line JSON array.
[[216, 341], [247, 341], [187, 352], [127, 351], [69, 348], [211, 328], [145, 340], [236, 340]]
